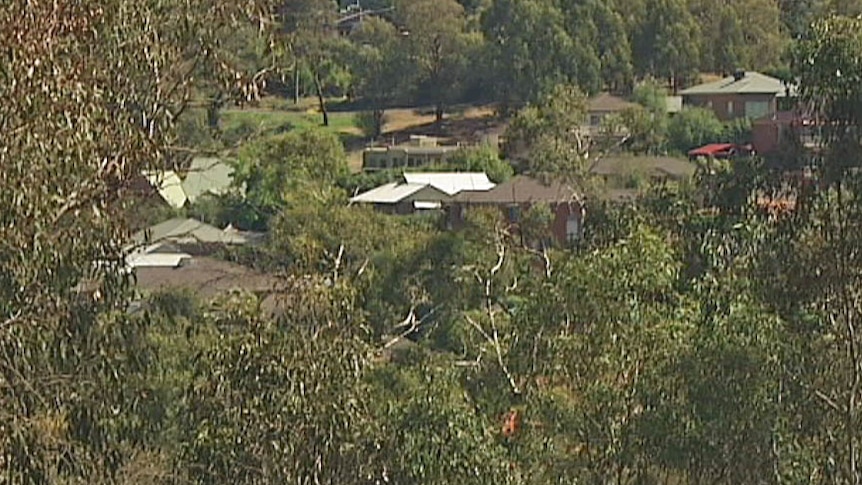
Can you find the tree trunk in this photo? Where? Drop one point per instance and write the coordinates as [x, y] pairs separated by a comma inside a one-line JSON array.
[[378, 122], [296, 84], [438, 113], [320, 99]]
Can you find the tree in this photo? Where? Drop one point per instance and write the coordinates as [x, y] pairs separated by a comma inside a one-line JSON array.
[[438, 42], [545, 138], [93, 91], [381, 68], [313, 41], [270, 168], [484, 158], [694, 127], [667, 44], [530, 49]]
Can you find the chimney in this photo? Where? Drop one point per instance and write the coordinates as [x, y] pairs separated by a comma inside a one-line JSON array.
[[738, 74]]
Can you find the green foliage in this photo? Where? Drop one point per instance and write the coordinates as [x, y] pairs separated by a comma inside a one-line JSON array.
[[694, 127], [540, 137], [270, 168], [484, 158]]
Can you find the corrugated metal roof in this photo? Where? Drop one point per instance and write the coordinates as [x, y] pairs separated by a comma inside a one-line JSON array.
[[390, 193], [155, 260], [169, 185], [451, 182], [750, 83], [189, 231], [207, 176]]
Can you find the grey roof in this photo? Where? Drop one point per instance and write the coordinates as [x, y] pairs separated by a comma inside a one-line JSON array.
[[649, 165], [606, 102], [191, 231], [519, 190], [750, 83], [204, 276], [207, 176]]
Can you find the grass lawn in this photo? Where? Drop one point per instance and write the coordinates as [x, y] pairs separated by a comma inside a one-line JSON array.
[[273, 114]]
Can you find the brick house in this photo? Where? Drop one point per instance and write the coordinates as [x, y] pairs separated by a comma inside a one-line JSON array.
[[517, 195], [742, 95]]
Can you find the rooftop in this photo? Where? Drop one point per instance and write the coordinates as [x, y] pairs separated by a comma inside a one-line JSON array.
[[191, 231], [390, 193], [607, 102], [521, 189], [740, 83], [451, 182], [650, 165]]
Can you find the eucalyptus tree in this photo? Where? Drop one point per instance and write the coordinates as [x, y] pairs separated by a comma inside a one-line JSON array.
[[92, 91]]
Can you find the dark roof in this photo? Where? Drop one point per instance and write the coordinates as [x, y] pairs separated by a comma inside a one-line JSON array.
[[205, 277], [651, 165], [607, 102], [519, 190]]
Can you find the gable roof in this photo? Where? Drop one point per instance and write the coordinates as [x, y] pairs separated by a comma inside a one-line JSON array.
[[748, 83], [519, 190], [650, 165], [451, 182], [607, 102], [169, 185], [190, 231], [204, 276], [207, 176], [390, 193]]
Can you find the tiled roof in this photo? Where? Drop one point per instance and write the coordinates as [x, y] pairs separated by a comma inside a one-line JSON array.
[[607, 102], [520, 189]]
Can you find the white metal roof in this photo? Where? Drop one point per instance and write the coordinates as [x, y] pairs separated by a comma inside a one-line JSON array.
[[450, 182], [155, 260], [390, 193]]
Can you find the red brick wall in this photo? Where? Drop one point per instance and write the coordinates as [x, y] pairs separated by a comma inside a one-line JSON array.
[[720, 103]]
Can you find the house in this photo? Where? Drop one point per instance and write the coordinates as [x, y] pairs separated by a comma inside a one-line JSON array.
[[422, 191], [615, 169], [204, 176], [420, 151], [600, 107], [742, 95], [719, 151], [771, 134], [193, 236], [516, 196]]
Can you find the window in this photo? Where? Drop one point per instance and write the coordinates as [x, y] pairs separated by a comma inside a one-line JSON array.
[[595, 120], [573, 227], [757, 109], [730, 108], [514, 213]]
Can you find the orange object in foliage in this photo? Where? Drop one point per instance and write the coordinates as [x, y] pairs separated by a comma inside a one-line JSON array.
[[511, 423]]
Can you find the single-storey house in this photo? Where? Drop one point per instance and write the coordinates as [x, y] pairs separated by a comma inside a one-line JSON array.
[[204, 176], [420, 151], [615, 168], [603, 105], [193, 236], [743, 95], [422, 191], [519, 194]]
